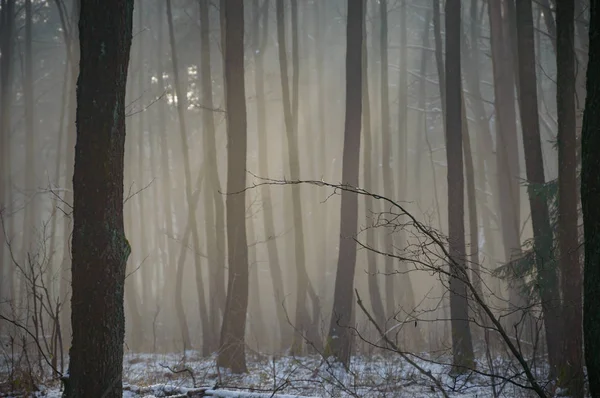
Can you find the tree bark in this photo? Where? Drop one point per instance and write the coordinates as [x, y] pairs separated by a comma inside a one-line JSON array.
[[339, 341], [6, 47], [100, 249], [568, 238], [232, 347], [590, 197], [542, 231], [462, 344]]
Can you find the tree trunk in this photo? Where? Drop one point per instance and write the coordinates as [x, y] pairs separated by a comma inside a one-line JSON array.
[[507, 158], [590, 197], [181, 108], [263, 169], [232, 351], [166, 169], [214, 216], [28, 96], [542, 231], [387, 158], [568, 238], [486, 161], [339, 341], [6, 47], [144, 241], [290, 109], [462, 344], [369, 185], [471, 200], [100, 249], [65, 285]]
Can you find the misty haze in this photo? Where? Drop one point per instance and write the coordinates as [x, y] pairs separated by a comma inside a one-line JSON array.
[[299, 198]]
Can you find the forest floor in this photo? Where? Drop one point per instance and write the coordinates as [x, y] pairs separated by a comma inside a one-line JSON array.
[[172, 375]]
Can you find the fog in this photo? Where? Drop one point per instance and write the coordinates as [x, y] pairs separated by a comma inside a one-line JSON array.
[[176, 171]]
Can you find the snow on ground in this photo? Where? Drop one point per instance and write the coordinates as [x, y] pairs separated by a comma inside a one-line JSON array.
[[172, 375]]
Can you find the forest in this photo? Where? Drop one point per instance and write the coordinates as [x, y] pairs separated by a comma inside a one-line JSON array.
[[299, 198]]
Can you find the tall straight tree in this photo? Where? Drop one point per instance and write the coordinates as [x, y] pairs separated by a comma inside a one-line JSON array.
[[590, 197], [6, 46], [462, 344], [100, 249], [232, 348], [386, 153], [340, 336], [507, 159], [215, 216], [30, 161], [368, 183], [290, 111], [260, 42], [568, 242], [547, 277]]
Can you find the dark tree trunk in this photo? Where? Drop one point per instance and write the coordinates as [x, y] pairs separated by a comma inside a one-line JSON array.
[[568, 238], [232, 351], [100, 249], [534, 164], [339, 341], [590, 197], [462, 344], [6, 47]]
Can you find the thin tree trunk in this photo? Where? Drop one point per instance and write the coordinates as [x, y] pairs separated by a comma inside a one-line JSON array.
[[486, 161], [232, 350], [30, 209], [339, 341], [462, 344], [290, 107], [406, 294], [181, 107], [568, 238], [471, 200], [387, 158], [214, 209], [542, 231], [258, 326], [143, 243], [6, 46], [165, 166], [263, 169], [368, 183], [507, 150]]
